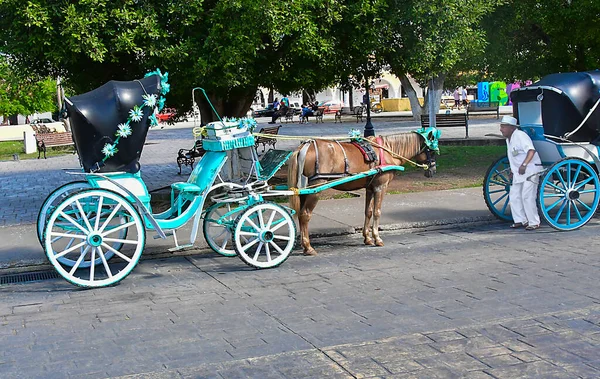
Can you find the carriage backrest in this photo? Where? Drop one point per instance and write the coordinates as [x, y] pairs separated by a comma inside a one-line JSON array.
[[95, 116], [559, 103]]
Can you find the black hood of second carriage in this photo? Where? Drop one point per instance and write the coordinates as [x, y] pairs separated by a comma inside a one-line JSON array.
[[567, 100], [94, 118]]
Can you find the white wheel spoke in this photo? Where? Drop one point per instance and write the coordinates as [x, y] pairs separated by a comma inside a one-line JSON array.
[[241, 233], [98, 212], [120, 227], [268, 226], [128, 242], [117, 252], [277, 247], [104, 262], [252, 224], [92, 265], [224, 244], [66, 235], [79, 260], [220, 234], [72, 221], [249, 244], [261, 220], [282, 237], [110, 217], [268, 252], [257, 251], [83, 215], [281, 224], [72, 248]]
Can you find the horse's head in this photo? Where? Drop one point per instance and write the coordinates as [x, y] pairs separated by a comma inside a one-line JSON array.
[[427, 154], [427, 157]]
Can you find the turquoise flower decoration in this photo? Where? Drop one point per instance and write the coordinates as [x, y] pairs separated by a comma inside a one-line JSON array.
[[136, 114], [161, 104], [355, 134], [149, 100], [109, 150], [153, 120], [124, 130], [165, 88], [248, 123]]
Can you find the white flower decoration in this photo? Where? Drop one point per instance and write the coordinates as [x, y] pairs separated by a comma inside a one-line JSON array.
[[355, 134], [109, 150], [124, 130], [150, 100], [136, 114]]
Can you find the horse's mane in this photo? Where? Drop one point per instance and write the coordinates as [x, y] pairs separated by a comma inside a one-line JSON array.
[[405, 144]]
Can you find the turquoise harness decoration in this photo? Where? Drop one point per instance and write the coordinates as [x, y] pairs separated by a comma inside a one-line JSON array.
[[431, 136]]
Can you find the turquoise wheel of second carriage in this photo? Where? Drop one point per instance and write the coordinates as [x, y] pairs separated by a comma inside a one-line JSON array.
[[218, 228], [568, 194], [496, 188]]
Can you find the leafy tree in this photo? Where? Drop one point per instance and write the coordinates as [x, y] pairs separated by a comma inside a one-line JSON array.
[[529, 38], [430, 39], [22, 95], [228, 47]]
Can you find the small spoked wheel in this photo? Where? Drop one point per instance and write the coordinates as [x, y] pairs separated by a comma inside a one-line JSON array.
[[496, 188], [264, 235], [55, 198], [568, 194], [86, 227], [218, 228]]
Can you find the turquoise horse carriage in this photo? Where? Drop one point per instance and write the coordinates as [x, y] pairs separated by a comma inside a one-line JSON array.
[[559, 113], [94, 230]]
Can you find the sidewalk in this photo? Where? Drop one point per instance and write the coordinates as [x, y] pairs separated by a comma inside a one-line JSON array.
[[20, 250], [25, 184]]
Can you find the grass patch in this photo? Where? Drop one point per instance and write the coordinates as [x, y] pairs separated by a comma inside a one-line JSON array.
[[8, 148]]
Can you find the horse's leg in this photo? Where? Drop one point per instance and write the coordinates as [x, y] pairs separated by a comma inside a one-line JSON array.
[[307, 205], [368, 214], [378, 199]]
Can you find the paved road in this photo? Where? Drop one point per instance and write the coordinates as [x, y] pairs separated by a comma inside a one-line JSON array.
[[472, 302], [25, 184]]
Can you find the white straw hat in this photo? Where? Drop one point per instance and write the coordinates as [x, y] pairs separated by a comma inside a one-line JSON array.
[[509, 120]]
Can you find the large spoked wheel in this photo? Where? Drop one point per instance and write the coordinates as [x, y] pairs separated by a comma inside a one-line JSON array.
[[219, 236], [568, 194], [496, 188], [84, 228], [55, 198], [264, 235]]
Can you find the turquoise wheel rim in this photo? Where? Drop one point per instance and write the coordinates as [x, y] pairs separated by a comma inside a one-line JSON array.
[[569, 193], [496, 189]]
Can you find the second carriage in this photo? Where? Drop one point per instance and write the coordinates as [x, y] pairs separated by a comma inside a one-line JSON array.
[[560, 114]]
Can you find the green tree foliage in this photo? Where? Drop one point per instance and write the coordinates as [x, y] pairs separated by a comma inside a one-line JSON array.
[[22, 95], [530, 38], [429, 39], [228, 47]]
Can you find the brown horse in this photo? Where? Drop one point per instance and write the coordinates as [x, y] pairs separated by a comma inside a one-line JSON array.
[[337, 159]]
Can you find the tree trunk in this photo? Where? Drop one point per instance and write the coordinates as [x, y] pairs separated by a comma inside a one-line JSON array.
[[308, 96], [235, 104], [415, 106]]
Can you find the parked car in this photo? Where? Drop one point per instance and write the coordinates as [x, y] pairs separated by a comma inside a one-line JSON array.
[[265, 112], [331, 106], [167, 115], [296, 107]]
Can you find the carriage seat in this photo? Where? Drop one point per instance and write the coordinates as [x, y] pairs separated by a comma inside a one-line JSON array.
[[187, 187]]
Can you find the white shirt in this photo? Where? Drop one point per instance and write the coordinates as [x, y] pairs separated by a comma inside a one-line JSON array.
[[517, 147]]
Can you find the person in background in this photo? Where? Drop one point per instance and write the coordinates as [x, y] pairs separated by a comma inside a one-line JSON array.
[[285, 101], [306, 111], [524, 164], [276, 104], [456, 96], [279, 113], [464, 99]]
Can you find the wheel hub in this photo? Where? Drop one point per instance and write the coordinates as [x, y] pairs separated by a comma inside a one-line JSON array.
[[94, 239], [266, 236], [573, 195]]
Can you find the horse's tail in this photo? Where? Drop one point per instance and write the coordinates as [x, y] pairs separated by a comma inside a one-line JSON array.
[[292, 181]]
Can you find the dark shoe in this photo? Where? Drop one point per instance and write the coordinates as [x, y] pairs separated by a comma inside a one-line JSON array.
[[270, 122], [532, 227], [517, 225]]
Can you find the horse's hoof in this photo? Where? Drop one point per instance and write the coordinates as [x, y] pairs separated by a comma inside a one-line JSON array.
[[369, 242], [311, 253], [379, 243]]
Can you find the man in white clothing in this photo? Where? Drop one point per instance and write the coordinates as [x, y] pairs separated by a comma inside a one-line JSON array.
[[524, 164]]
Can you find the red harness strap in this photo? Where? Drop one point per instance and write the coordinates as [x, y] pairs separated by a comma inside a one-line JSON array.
[[382, 161]]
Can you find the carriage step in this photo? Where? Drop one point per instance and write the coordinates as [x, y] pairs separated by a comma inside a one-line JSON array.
[[181, 247], [187, 187]]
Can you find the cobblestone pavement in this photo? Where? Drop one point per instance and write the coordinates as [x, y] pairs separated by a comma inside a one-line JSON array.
[[25, 184], [471, 302]]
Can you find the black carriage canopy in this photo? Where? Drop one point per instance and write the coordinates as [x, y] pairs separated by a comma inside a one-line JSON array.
[[560, 102], [95, 117]]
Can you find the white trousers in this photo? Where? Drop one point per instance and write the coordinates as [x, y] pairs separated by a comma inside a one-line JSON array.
[[522, 202]]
